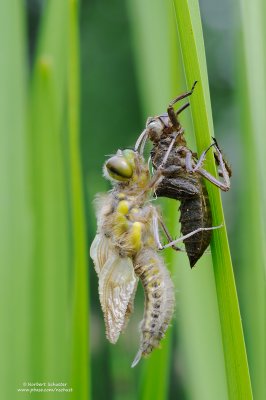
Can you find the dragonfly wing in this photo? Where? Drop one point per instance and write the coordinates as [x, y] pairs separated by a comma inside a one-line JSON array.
[[100, 251], [117, 287], [130, 306]]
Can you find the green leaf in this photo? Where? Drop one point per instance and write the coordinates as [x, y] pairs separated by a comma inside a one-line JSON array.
[[43, 270], [15, 213], [80, 375], [252, 99], [192, 46], [50, 274], [60, 337]]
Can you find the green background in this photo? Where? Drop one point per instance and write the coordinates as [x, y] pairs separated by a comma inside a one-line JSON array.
[[78, 81]]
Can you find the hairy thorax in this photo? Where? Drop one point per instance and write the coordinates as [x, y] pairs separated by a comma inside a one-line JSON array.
[[128, 224]]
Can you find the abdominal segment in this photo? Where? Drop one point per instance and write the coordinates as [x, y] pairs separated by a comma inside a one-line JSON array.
[[195, 213], [159, 300]]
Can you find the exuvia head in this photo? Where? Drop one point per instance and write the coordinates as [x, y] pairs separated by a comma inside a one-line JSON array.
[[154, 127], [120, 167]]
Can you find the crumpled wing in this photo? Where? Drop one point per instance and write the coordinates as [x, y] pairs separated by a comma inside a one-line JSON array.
[[130, 306], [100, 251], [117, 287]]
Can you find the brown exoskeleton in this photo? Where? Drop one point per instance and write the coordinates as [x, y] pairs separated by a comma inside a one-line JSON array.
[[183, 175]]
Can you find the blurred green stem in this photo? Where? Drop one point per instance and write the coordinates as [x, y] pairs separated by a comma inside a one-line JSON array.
[[252, 99], [15, 212], [192, 47], [80, 363]]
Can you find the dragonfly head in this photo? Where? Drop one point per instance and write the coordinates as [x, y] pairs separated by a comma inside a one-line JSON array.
[[120, 167]]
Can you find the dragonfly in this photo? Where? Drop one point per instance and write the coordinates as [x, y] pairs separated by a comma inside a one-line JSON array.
[[126, 249], [184, 175]]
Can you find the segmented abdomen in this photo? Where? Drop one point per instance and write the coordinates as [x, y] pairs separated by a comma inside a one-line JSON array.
[[159, 300], [195, 213], [194, 209]]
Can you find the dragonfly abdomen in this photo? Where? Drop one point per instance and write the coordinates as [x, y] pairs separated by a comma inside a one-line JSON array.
[[159, 300]]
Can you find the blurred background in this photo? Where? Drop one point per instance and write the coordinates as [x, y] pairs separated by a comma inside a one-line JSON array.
[[114, 65]]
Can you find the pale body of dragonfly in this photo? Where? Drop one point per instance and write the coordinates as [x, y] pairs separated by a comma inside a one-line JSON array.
[[125, 250]]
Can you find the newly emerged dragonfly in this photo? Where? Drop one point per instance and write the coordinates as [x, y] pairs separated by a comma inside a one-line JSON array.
[[125, 250], [183, 175]]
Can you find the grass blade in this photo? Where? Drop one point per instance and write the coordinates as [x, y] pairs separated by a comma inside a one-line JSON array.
[[15, 213], [192, 46], [80, 375], [252, 85], [51, 264]]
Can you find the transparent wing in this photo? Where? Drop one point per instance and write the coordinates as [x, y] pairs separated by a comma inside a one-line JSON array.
[[117, 287]]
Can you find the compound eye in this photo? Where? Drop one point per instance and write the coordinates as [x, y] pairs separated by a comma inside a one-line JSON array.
[[118, 168]]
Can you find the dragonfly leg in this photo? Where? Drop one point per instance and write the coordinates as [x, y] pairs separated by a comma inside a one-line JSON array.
[[159, 171], [155, 220], [168, 235], [183, 95], [156, 232], [182, 108], [224, 186], [140, 143], [200, 161], [180, 239], [170, 110], [225, 171]]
